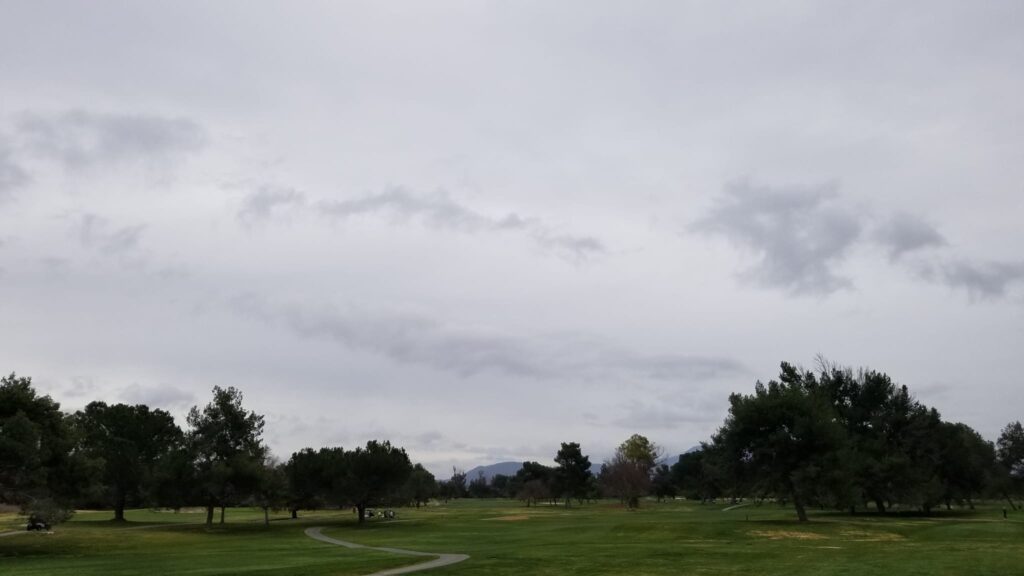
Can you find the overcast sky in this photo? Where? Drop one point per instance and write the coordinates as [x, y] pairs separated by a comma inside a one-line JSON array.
[[479, 229]]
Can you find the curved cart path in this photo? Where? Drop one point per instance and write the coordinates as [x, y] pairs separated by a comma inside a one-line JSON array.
[[440, 560]]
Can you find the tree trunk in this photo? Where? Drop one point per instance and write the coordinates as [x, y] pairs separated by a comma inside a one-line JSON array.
[[266, 516], [222, 514], [119, 505], [209, 515], [361, 508], [295, 513], [880, 505], [970, 503], [1010, 500], [798, 503]]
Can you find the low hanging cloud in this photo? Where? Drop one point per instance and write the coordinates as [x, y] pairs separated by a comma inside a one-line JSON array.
[[798, 234], [904, 233], [98, 233], [437, 210], [468, 352], [801, 235], [263, 203], [162, 396], [664, 415], [983, 280], [12, 175], [80, 138]]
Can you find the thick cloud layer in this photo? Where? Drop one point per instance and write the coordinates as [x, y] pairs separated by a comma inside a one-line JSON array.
[[797, 235], [484, 229], [81, 138]]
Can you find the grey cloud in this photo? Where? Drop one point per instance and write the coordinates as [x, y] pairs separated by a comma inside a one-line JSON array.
[[261, 204], [981, 280], [12, 175], [903, 233], [797, 233], [576, 247], [80, 388], [438, 210], [425, 341], [644, 415], [96, 232], [164, 397], [78, 138]]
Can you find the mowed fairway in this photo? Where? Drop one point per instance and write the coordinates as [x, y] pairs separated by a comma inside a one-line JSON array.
[[504, 537]]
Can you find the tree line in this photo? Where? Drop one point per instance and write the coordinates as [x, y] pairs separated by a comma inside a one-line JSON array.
[[849, 440], [116, 456], [835, 438]]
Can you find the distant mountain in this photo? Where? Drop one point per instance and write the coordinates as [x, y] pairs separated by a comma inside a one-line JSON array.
[[506, 468], [510, 468]]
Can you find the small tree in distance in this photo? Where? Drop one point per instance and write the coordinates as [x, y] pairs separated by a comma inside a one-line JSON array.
[[628, 474]]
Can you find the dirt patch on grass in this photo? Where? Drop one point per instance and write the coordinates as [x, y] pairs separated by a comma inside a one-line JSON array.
[[869, 536], [511, 518], [787, 535]]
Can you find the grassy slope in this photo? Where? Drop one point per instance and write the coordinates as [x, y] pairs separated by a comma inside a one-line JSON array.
[[92, 545], [507, 538]]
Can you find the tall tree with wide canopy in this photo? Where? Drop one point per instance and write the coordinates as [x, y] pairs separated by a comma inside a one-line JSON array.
[[787, 434], [572, 476], [129, 441], [893, 451], [374, 474], [37, 464], [226, 440]]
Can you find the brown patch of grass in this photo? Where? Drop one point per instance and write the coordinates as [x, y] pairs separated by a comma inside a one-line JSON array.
[[511, 518], [870, 536], [787, 535]]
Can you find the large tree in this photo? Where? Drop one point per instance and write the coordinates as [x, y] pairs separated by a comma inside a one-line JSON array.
[[1010, 453], [37, 465], [533, 482], [129, 441], [966, 465], [271, 488], [226, 440], [374, 474], [698, 476], [893, 451], [787, 435], [572, 476], [305, 474], [628, 474], [421, 486]]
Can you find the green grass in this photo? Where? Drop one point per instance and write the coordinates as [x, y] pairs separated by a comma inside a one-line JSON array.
[[508, 538]]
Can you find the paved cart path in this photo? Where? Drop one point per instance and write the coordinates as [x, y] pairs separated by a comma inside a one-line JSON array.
[[438, 561]]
